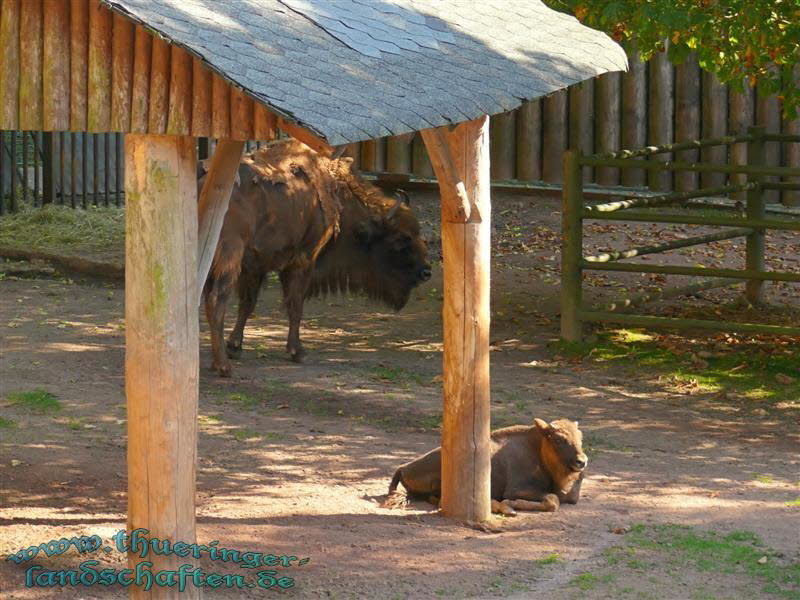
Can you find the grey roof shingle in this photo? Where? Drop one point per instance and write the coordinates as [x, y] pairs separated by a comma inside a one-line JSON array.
[[351, 70]]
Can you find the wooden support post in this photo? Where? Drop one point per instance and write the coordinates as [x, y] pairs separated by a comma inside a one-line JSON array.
[[714, 124], [398, 154], [529, 141], [756, 156], [161, 338], [49, 165], [687, 119], [571, 247], [660, 117], [554, 123], [741, 116], [634, 114], [213, 204], [609, 137], [466, 475], [768, 116], [582, 120], [503, 145]]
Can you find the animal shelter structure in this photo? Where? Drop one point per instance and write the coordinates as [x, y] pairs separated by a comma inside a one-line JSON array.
[[328, 73]]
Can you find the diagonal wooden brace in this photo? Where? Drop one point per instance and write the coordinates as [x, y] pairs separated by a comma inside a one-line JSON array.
[[456, 205]]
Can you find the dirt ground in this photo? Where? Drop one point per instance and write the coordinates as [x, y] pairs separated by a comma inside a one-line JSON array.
[[295, 459]]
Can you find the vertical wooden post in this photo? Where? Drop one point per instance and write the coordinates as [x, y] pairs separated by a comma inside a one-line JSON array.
[[420, 163], [161, 337], [754, 261], [398, 155], [461, 161], [740, 118], [715, 98], [372, 155], [607, 94], [502, 145], [582, 120], [213, 204], [687, 118], [634, 114], [49, 168], [571, 247], [555, 135], [661, 117], [529, 141], [768, 116]]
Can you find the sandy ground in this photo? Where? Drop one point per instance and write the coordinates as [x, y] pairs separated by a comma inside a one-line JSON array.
[[295, 459]]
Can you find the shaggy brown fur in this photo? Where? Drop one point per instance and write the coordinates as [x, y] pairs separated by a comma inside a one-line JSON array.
[[321, 227], [535, 467]]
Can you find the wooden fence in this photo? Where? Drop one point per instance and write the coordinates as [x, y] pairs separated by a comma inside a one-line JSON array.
[[654, 103], [752, 227]]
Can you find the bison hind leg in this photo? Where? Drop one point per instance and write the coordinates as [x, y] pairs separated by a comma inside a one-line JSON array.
[[550, 503]]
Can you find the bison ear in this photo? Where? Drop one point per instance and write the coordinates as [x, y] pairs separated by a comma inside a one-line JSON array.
[[541, 425]]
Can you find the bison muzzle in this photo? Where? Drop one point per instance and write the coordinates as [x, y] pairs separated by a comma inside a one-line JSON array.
[[535, 467], [321, 227]]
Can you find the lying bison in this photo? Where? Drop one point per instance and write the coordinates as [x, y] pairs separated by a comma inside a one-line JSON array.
[[533, 468], [321, 227]]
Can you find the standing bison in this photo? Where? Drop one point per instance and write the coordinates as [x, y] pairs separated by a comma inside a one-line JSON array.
[[534, 467], [321, 227]]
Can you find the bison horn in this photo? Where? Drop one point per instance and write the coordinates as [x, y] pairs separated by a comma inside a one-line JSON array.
[[393, 211], [403, 197]]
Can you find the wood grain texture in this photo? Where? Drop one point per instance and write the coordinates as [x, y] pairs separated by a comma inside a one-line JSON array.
[[221, 107], [99, 88], [140, 89], [179, 120], [79, 64], [161, 342], [158, 111], [373, 155], [398, 155], [420, 161], [661, 117], [241, 115], [30, 76], [201, 99], [308, 138], [213, 204], [687, 119], [608, 104], [741, 117], [555, 135], [768, 115], [715, 111], [529, 141], [122, 56], [792, 151], [456, 204], [467, 254], [582, 120], [634, 114], [9, 64], [265, 124], [503, 144]]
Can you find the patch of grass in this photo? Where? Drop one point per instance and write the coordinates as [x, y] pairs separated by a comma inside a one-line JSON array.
[[795, 502], [75, 424], [244, 400], [588, 581], [756, 368], [397, 375], [764, 478], [7, 423], [245, 434], [65, 230], [549, 559], [38, 400]]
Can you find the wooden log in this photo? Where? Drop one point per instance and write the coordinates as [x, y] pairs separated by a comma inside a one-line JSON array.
[[457, 208], [529, 141], [122, 53], [79, 64], [755, 245], [608, 103], [158, 113], [398, 155], [30, 76], [715, 111], [9, 64], [310, 139], [571, 248], [467, 254], [140, 94], [582, 119], [353, 151], [554, 116], [741, 118], [99, 88], [768, 116], [660, 121], [687, 118], [201, 99], [265, 124], [420, 161], [161, 339], [221, 107], [634, 114], [213, 204], [370, 159], [792, 151], [241, 115], [179, 120], [502, 144]]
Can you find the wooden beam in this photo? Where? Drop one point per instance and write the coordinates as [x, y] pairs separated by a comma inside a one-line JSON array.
[[220, 107], [466, 250], [78, 53], [241, 115], [179, 121], [30, 71], [265, 124], [122, 54], [159, 86], [311, 140], [529, 141], [161, 337], [9, 64], [201, 99], [456, 205], [140, 98], [99, 88], [213, 204]]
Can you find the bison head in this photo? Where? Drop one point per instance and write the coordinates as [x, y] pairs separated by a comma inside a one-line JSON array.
[[562, 447], [379, 251]]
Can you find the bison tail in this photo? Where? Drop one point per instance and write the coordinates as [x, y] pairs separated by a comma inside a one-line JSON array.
[[395, 499], [395, 481]]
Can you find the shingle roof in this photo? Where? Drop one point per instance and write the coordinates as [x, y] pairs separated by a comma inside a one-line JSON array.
[[351, 70]]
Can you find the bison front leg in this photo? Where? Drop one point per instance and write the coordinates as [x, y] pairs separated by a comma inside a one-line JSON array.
[[216, 297], [548, 503], [294, 281]]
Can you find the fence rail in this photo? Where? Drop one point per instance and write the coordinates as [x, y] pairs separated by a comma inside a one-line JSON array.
[[751, 227]]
